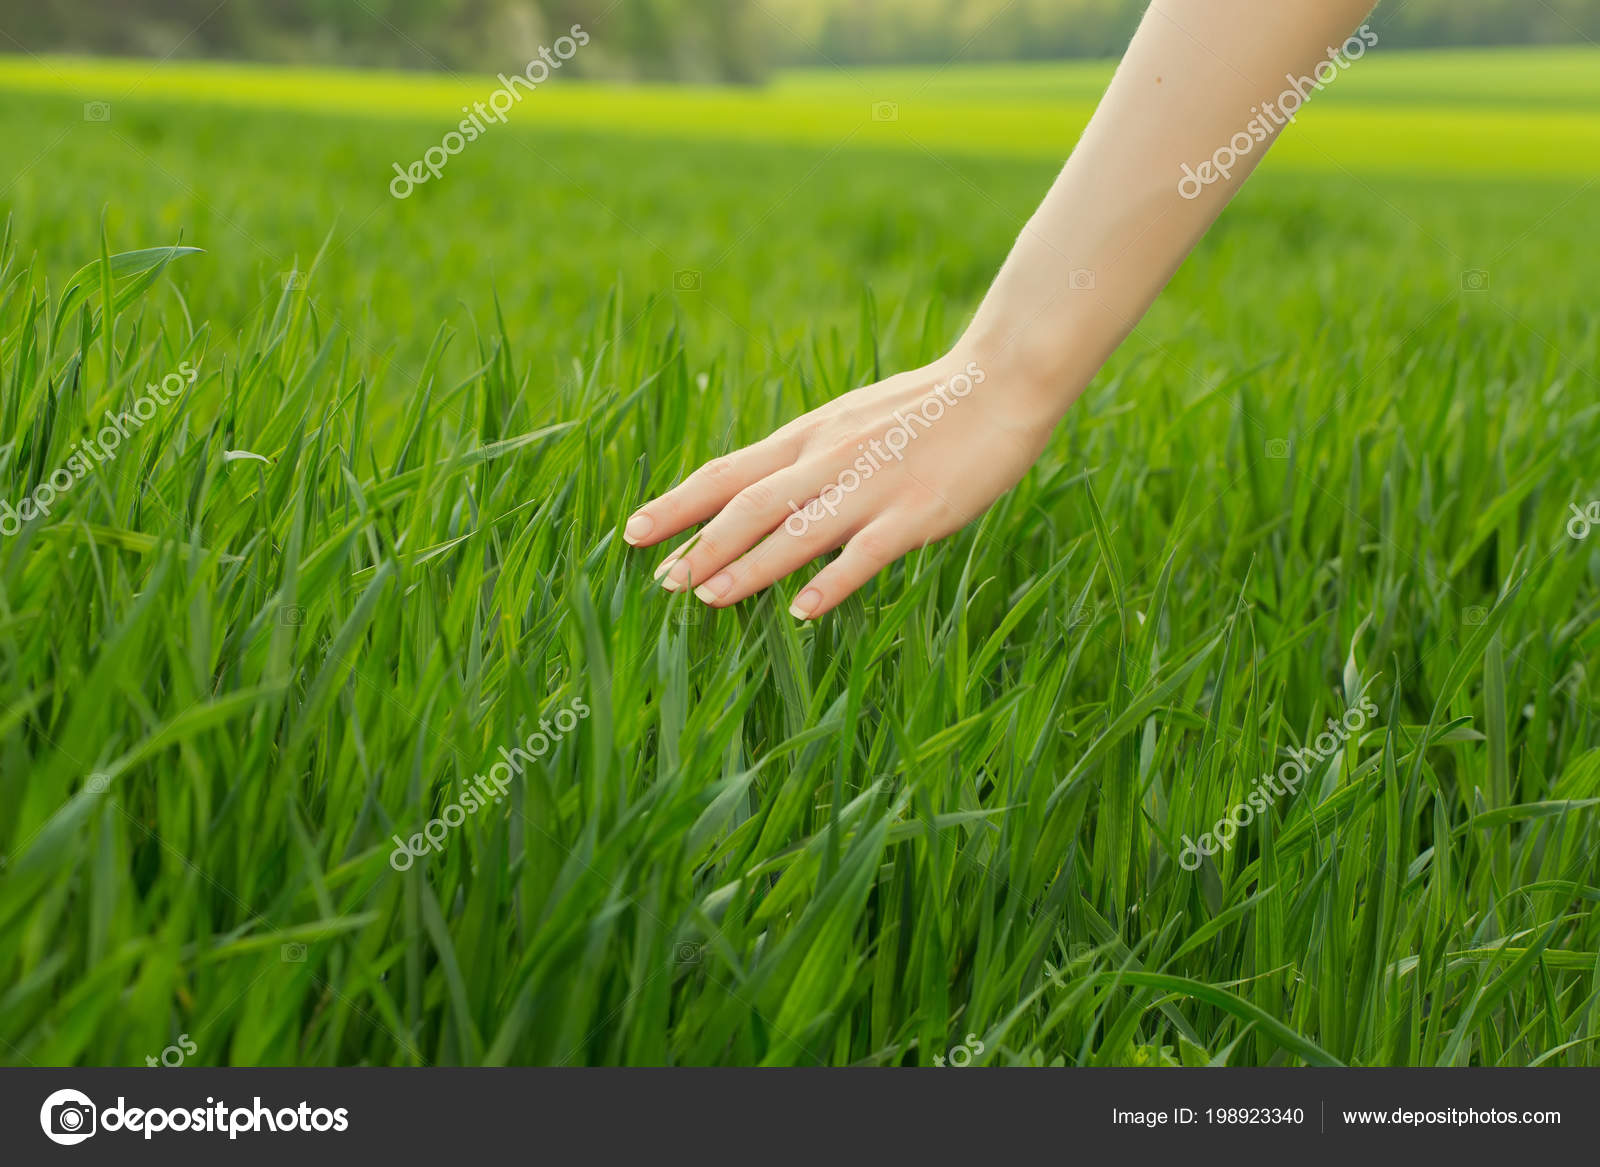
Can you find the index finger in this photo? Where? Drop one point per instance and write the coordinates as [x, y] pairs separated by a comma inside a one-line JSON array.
[[705, 492]]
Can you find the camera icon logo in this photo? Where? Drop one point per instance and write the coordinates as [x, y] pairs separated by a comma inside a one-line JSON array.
[[1082, 279], [885, 111], [291, 615], [97, 111], [1474, 615], [292, 953], [686, 952], [1278, 448], [68, 1117], [687, 280], [1475, 280]]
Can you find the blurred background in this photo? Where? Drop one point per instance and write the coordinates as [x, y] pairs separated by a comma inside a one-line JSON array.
[[698, 40], [759, 169], [762, 171]]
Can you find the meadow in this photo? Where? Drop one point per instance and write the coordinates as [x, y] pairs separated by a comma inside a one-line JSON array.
[[376, 540]]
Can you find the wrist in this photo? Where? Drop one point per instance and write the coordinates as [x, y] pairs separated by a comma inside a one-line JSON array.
[[1033, 389]]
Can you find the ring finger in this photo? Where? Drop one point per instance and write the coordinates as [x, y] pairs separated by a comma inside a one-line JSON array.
[[786, 550]]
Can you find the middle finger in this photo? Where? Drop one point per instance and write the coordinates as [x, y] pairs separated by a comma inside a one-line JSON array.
[[752, 513]]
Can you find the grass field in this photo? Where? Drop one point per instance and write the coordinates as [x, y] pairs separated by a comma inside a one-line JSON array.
[[376, 540]]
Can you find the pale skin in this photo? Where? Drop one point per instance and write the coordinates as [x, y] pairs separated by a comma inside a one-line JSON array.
[[1110, 233]]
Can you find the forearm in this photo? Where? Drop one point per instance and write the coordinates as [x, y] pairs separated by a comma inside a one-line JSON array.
[[1197, 73]]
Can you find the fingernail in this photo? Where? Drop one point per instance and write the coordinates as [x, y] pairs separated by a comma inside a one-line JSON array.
[[805, 603], [638, 527], [714, 588], [667, 564]]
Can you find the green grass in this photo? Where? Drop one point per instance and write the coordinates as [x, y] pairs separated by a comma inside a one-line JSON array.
[[1320, 471]]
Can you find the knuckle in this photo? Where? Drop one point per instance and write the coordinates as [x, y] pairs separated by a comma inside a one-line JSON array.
[[934, 506], [837, 445], [797, 429], [707, 550], [756, 499], [874, 545], [719, 470]]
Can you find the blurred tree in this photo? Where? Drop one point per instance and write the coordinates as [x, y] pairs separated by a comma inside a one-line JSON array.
[[694, 40], [710, 40]]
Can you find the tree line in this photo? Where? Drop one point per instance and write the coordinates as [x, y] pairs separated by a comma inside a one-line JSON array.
[[691, 40]]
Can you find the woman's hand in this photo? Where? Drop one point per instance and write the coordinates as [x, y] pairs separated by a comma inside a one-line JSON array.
[[879, 471], [901, 463], [898, 464]]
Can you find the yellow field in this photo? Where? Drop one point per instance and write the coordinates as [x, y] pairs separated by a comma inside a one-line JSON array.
[[1524, 113]]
